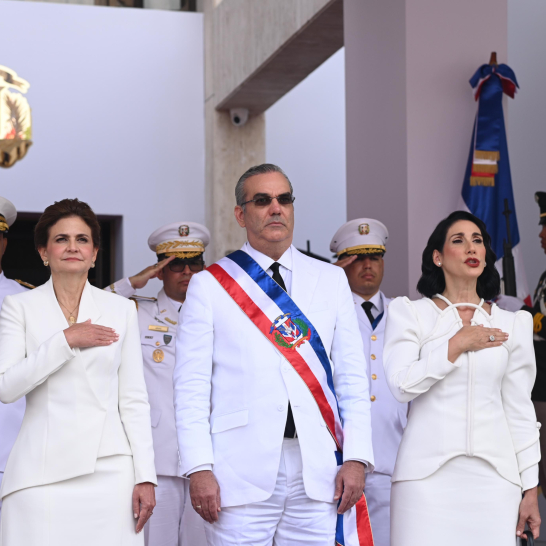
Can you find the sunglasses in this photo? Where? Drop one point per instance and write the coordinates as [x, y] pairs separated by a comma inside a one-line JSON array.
[[179, 264], [264, 200]]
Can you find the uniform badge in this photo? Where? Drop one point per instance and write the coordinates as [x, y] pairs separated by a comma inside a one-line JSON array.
[[364, 229], [290, 333], [184, 231], [158, 355], [167, 339]]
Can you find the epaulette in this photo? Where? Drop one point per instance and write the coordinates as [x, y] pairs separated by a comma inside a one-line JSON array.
[[25, 284], [136, 299]]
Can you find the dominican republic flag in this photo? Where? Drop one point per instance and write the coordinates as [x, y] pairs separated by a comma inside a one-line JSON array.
[[487, 181]]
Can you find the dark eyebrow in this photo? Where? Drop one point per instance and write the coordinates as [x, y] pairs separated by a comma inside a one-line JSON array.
[[66, 235], [462, 234], [261, 194]]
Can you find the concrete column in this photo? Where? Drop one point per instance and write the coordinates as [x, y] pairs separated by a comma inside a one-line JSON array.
[[229, 152], [410, 112]]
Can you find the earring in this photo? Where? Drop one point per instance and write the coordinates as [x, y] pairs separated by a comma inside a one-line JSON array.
[[46, 263], [92, 264], [439, 264]]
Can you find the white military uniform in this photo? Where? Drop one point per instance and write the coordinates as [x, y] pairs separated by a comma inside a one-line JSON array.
[[11, 415], [174, 522], [389, 417]]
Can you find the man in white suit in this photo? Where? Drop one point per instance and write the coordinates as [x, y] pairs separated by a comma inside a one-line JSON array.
[[360, 245], [11, 415], [261, 459], [179, 247]]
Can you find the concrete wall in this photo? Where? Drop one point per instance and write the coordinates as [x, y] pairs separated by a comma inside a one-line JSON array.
[[410, 113], [117, 104], [305, 135], [527, 124]]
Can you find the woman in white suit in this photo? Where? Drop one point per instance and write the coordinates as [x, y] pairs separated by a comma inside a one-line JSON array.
[[82, 468], [471, 445]]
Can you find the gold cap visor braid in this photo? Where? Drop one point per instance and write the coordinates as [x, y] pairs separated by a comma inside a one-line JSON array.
[[363, 249]]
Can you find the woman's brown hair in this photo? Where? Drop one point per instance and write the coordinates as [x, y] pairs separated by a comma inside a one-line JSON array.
[[65, 209]]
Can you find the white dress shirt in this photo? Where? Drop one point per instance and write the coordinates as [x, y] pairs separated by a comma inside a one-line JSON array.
[[377, 301]]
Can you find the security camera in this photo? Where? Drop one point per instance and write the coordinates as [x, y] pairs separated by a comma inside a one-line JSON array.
[[239, 116]]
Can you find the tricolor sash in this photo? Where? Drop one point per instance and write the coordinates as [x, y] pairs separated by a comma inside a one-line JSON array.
[[282, 322]]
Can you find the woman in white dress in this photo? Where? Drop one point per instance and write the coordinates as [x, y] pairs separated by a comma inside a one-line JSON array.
[[471, 445], [81, 471]]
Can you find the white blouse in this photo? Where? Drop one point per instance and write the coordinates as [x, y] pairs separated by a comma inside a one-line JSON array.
[[479, 406]]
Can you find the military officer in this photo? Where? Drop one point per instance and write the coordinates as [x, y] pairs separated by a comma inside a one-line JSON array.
[[360, 246], [11, 415], [179, 247], [538, 310]]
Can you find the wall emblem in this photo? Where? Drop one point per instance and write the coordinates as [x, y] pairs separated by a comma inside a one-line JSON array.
[[364, 229], [184, 231], [15, 118], [290, 333]]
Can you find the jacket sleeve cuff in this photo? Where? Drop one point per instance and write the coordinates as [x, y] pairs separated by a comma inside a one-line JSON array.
[[529, 457], [148, 475], [199, 468], [529, 477]]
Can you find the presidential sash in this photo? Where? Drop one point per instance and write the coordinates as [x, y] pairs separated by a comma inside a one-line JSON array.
[[281, 321]]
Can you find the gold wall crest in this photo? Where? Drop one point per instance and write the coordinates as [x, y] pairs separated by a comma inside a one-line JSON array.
[[15, 118]]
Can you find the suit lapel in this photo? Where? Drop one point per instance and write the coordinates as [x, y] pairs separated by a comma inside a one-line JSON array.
[[304, 281], [88, 307]]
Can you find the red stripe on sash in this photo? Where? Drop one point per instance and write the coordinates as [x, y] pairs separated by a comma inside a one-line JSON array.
[[363, 524], [258, 317]]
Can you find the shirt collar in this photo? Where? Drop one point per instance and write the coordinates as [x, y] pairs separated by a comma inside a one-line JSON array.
[[2, 277], [376, 299], [265, 261]]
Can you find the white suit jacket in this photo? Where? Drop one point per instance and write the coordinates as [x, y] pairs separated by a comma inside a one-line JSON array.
[[389, 416], [479, 406], [81, 403], [232, 387], [11, 415], [158, 372]]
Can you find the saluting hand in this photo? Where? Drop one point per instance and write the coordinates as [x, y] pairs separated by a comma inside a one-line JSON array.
[[346, 261], [141, 279], [474, 338], [85, 334]]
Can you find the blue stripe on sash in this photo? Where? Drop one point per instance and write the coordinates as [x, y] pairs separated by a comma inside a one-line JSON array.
[[285, 303]]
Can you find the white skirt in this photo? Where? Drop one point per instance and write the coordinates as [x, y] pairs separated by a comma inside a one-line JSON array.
[[466, 502], [91, 510]]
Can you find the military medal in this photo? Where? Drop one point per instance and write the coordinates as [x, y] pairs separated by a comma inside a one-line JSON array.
[[158, 355]]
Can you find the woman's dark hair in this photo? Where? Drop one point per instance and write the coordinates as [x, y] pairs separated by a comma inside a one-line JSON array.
[[432, 279], [65, 209]]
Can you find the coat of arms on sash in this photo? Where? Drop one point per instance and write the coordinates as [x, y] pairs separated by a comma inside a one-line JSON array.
[[290, 333]]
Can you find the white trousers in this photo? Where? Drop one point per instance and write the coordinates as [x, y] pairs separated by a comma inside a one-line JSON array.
[[287, 518], [378, 497], [1, 476], [174, 522]]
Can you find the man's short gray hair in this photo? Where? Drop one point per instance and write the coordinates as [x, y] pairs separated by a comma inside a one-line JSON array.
[[253, 171]]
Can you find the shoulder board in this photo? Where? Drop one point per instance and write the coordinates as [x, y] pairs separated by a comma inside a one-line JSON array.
[[136, 297], [25, 284]]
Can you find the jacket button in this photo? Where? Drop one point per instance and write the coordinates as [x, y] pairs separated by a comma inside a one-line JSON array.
[[157, 343], [280, 408], [374, 377], [372, 357], [374, 337], [372, 398]]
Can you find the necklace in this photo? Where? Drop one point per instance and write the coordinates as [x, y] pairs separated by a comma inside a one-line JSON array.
[[71, 318]]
